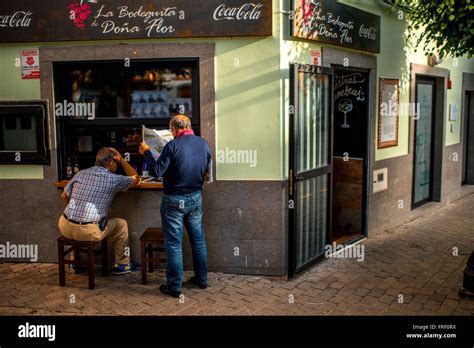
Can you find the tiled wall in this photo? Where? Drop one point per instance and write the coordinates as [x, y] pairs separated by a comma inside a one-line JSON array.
[[243, 215]]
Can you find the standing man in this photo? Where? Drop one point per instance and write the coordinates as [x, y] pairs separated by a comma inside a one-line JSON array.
[[182, 164], [88, 197]]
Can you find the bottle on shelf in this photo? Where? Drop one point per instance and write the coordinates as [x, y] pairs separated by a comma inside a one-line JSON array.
[[76, 166], [69, 169]]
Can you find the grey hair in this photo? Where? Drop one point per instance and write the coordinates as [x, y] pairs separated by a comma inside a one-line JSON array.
[[104, 156], [180, 122]]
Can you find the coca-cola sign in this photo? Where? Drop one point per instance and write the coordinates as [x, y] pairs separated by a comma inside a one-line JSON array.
[[336, 23], [249, 11], [18, 19], [75, 20]]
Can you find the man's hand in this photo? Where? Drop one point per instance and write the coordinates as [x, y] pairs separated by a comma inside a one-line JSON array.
[[118, 157], [143, 148]]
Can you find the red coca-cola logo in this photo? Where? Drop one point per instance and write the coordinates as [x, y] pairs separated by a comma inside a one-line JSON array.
[[79, 13], [30, 60]]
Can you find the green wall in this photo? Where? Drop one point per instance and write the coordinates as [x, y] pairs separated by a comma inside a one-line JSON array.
[[247, 107], [248, 116]]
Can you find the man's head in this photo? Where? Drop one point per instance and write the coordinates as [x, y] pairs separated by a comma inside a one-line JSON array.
[[179, 123], [105, 158]]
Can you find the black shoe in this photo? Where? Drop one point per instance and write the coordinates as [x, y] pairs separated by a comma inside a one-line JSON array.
[[164, 290], [463, 292], [195, 282]]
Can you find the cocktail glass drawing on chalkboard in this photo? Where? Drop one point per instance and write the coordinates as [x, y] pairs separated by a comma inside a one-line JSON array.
[[345, 106]]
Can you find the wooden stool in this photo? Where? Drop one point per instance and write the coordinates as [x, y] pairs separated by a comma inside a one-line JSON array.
[[151, 236], [78, 248]]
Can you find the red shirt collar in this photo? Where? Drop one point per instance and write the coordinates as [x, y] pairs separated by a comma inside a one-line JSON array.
[[184, 132]]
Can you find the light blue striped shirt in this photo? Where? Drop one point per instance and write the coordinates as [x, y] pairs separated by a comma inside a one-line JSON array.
[[91, 192]]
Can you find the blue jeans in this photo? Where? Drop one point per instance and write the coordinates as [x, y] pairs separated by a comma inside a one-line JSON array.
[[177, 210]]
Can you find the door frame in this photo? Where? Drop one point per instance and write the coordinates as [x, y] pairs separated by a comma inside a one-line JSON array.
[[336, 57], [292, 165], [441, 76], [432, 81], [367, 159]]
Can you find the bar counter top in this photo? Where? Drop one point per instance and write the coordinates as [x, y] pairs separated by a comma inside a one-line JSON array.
[[144, 186]]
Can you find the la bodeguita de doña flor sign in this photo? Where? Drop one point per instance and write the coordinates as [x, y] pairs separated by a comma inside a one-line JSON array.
[[335, 23], [76, 20]]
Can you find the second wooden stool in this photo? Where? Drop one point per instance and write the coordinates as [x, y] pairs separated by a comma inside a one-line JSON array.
[[152, 240]]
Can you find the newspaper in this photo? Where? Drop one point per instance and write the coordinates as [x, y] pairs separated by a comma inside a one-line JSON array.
[[156, 140]]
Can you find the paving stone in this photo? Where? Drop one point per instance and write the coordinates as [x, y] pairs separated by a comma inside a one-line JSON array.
[[432, 305], [377, 292], [438, 297], [422, 298]]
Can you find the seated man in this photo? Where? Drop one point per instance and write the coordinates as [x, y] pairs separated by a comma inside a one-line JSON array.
[[88, 197]]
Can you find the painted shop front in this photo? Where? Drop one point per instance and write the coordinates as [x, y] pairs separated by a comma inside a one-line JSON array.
[[329, 147], [323, 127], [138, 63]]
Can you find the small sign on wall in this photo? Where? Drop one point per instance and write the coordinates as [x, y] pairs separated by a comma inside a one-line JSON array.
[[316, 58], [453, 112], [30, 68], [389, 103]]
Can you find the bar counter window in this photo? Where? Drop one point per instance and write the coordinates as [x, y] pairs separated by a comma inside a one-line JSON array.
[[105, 103]]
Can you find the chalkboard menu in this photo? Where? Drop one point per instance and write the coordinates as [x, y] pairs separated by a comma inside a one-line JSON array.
[[334, 23], [351, 93], [75, 20]]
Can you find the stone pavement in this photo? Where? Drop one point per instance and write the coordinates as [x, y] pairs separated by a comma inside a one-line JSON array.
[[412, 264]]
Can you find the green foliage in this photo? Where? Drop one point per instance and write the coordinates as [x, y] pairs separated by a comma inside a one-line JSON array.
[[448, 24]]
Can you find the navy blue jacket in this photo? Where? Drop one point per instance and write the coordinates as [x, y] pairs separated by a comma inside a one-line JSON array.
[[182, 164]]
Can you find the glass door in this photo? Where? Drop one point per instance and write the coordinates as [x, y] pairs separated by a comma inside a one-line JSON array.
[[310, 168], [423, 149]]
